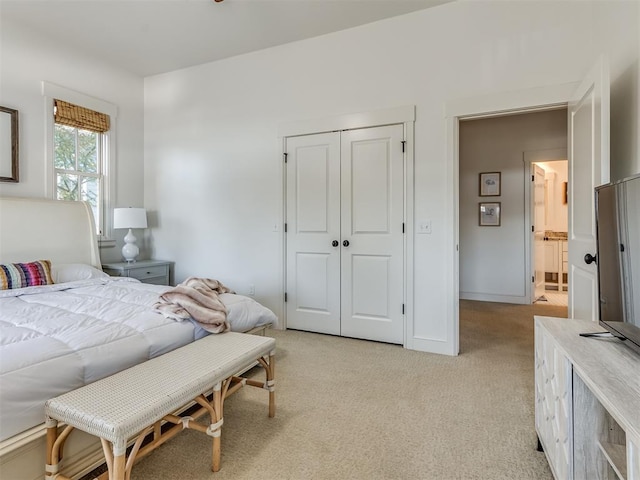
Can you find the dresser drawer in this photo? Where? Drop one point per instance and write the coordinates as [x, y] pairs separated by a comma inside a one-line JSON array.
[[148, 272]]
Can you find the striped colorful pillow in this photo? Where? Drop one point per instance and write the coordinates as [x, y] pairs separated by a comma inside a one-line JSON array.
[[19, 275]]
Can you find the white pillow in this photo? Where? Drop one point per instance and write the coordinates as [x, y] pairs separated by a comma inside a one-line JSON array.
[[70, 272], [244, 313]]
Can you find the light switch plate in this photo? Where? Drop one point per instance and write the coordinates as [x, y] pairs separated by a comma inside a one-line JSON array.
[[424, 226]]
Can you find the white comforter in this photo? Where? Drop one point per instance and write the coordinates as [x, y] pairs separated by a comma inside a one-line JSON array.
[[57, 338]]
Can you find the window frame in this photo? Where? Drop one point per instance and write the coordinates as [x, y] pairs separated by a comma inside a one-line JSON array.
[[51, 92]]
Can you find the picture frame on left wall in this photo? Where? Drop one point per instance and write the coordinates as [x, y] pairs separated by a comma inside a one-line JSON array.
[[9, 156], [489, 214]]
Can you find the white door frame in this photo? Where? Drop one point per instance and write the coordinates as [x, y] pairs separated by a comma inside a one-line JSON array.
[[391, 116], [506, 103], [529, 157]]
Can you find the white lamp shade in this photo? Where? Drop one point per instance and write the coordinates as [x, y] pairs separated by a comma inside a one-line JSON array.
[[129, 218]]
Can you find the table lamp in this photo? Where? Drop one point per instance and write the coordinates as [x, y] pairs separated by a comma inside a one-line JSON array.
[[130, 218]]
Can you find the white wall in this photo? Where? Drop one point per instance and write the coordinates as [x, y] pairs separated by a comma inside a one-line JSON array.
[[493, 260], [213, 172], [625, 86], [27, 60]]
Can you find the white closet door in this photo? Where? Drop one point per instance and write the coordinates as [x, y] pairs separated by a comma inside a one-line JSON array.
[[313, 223], [372, 222]]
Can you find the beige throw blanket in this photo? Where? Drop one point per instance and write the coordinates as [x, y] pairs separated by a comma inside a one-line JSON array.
[[196, 298]]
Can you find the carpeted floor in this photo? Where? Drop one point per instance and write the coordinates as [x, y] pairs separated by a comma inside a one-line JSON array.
[[352, 409]]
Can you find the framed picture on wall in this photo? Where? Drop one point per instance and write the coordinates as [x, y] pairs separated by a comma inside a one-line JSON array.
[[8, 145], [489, 214], [490, 184]]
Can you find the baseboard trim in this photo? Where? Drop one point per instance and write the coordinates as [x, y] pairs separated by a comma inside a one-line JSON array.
[[484, 297]]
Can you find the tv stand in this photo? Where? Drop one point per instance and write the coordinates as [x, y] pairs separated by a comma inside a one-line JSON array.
[[587, 402]]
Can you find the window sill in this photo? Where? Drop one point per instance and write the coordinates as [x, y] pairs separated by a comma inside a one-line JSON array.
[[106, 243]]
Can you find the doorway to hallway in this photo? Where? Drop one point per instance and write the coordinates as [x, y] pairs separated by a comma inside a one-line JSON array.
[[495, 259]]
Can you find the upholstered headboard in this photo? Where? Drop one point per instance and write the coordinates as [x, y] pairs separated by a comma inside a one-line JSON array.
[[43, 229]]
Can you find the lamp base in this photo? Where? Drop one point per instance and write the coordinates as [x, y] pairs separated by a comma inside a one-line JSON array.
[[130, 250]]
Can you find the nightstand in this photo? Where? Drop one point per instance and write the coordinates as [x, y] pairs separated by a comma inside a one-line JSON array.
[[147, 271]]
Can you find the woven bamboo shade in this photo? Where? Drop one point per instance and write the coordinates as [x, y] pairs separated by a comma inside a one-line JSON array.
[[75, 116]]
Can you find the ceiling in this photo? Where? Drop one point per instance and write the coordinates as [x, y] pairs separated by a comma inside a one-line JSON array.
[[147, 37]]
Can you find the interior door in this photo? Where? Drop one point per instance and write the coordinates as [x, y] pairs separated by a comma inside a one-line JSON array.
[[372, 234], [313, 233], [538, 231], [588, 167]]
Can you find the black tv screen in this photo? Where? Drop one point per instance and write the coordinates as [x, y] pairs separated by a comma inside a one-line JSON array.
[[618, 258]]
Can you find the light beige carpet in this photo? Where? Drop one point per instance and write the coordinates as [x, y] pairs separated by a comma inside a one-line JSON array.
[[352, 409]]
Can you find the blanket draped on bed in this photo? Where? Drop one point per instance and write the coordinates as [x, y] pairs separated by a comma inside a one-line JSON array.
[[196, 298]]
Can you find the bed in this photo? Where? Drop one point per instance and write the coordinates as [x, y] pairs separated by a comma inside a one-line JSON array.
[[81, 328]]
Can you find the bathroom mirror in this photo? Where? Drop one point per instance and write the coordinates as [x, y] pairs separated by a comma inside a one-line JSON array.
[[8, 145]]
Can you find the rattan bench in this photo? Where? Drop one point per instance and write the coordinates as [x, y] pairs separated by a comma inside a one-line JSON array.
[[127, 406]]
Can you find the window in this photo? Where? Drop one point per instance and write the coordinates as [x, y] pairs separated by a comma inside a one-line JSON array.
[[80, 152], [80, 157]]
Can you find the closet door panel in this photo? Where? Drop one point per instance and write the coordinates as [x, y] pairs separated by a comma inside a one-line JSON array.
[[370, 187], [312, 185], [372, 215], [313, 223], [370, 294], [313, 273]]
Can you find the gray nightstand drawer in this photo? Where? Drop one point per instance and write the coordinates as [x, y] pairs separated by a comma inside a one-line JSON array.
[[156, 281], [148, 272]]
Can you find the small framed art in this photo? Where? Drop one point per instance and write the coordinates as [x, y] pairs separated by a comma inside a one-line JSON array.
[[490, 184], [489, 214], [8, 145]]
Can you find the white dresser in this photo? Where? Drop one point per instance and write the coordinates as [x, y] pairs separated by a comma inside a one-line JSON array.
[[587, 409]]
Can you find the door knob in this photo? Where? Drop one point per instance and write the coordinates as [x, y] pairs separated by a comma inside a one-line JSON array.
[[335, 243], [345, 243], [589, 259]]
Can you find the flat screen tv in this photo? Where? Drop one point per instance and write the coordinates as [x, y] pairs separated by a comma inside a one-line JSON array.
[[618, 258]]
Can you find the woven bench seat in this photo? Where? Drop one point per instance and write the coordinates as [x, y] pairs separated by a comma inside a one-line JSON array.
[[135, 402]]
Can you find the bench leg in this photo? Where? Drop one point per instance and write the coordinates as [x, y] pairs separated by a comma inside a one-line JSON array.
[[116, 464], [50, 467], [55, 444], [119, 469], [271, 372], [216, 417], [214, 430]]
